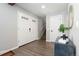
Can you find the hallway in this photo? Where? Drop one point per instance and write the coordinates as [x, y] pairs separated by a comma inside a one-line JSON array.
[[35, 48], [22, 26]]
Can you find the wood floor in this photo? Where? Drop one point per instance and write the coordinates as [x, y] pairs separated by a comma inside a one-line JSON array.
[[36, 48], [10, 53]]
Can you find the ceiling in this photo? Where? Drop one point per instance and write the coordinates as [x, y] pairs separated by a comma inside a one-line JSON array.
[[51, 8]]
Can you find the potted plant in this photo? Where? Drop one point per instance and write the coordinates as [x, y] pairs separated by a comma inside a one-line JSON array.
[[62, 29]]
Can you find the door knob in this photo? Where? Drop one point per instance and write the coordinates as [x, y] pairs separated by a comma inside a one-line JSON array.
[[29, 29], [51, 30]]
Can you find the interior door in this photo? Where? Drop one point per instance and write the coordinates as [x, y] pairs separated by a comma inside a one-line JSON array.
[[34, 28], [55, 22], [23, 29], [27, 29]]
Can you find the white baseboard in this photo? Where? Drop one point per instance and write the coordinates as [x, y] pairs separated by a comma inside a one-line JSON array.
[[5, 51], [26, 42], [49, 41]]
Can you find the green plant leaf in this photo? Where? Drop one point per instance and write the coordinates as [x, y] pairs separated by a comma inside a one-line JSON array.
[[62, 28]]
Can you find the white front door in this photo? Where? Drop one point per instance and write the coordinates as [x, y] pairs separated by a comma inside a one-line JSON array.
[[54, 23]]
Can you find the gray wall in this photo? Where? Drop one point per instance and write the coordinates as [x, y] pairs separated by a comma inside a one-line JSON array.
[[8, 28]]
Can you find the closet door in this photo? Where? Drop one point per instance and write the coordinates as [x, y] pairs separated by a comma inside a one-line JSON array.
[[23, 29], [34, 28], [27, 29]]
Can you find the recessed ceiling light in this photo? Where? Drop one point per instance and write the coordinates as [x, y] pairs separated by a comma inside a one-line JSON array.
[[43, 6]]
